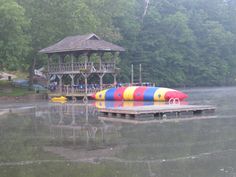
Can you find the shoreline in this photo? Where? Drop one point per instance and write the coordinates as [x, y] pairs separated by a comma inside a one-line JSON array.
[[31, 97]]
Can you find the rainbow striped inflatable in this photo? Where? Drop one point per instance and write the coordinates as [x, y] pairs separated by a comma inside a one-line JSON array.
[[139, 93]]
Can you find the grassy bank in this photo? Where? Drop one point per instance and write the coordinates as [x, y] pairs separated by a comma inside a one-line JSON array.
[[6, 89]]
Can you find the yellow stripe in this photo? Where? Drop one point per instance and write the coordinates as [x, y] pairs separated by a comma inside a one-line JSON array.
[[100, 104], [129, 93], [159, 95], [128, 104], [101, 95], [159, 103]]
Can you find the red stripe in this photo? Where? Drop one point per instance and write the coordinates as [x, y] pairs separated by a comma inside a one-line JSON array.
[[139, 93], [175, 94], [118, 95]]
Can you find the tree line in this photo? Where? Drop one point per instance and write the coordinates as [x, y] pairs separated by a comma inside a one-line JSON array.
[[178, 43]]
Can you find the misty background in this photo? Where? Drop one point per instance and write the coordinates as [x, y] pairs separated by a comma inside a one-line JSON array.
[[179, 43]]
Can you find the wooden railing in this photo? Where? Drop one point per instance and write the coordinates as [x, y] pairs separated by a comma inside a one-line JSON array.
[[80, 67], [68, 89]]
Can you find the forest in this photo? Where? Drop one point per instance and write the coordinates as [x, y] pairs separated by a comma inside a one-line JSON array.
[[179, 43]]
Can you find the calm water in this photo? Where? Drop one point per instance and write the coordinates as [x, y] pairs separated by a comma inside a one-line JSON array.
[[68, 140]]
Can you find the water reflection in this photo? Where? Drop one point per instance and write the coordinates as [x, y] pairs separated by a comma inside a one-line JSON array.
[[76, 126], [48, 139], [112, 104]]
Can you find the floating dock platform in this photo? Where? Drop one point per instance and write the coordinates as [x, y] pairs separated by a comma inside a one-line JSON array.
[[159, 112]]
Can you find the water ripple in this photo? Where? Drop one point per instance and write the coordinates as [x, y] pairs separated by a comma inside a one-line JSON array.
[[95, 160]]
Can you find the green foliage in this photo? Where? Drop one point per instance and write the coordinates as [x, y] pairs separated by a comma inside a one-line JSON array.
[[185, 43], [179, 43], [14, 40]]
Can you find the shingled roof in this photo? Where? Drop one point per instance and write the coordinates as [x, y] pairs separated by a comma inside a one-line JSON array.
[[89, 42]]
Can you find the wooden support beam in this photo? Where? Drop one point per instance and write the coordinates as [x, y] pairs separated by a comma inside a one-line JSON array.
[[48, 70], [72, 76], [100, 61], [101, 80], [72, 62], [86, 61], [86, 75], [114, 77], [60, 82]]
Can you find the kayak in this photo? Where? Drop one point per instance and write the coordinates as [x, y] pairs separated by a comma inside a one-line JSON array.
[[59, 99]]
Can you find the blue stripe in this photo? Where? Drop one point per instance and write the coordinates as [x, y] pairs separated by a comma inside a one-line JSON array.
[[149, 93], [109, 104], [110, 94], [148, 103]]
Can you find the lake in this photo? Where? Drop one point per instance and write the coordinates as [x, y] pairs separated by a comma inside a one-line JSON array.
[[43, 139]]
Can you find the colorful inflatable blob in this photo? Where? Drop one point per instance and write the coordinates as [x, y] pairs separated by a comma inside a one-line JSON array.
[[139, 93]]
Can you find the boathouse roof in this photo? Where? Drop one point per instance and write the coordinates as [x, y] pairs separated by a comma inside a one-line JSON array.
[[82, 43]]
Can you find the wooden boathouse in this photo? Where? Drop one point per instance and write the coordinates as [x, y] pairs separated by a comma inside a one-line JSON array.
[[77, 58]]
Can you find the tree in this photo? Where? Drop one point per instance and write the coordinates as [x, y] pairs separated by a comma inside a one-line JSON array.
[[181, 42], [14, 41]]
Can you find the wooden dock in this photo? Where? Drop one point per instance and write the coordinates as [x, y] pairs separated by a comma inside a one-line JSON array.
[[160, 112], [79, 96]]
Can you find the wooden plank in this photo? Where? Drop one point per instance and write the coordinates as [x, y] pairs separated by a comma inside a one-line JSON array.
[[139, 110]]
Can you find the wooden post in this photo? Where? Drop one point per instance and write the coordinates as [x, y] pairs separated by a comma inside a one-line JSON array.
[[86, 61], [59, 62], [114, 76], [48, 72], [60, 82], [101, 80], [86, 88], [85, 99], [100, 61], [72, 62], [67, 89], [49, 58], [72, 76], [60, 85], [86, 85], [85, 74]]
